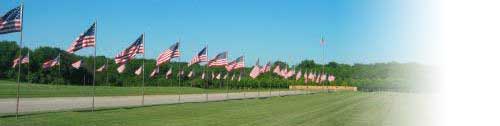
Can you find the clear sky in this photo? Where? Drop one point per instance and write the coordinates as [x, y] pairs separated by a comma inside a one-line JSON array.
[[356, 31]]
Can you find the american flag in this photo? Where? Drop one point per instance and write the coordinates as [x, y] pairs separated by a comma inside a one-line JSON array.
[[25, 60], [121, 68], [51, 63], [138, 71], [77, 64], [87, 39], [219, 60], [290, 73], [169, 72], [298, 75], [168, 54], [190, 74], [12, 21], [181, 73], [255, 70], [203, 75], [213, 75], [239, 78], [201, 57], [155, 71], [236, 64], [218, 76], [331, 78], [136, 48], [266, 68], [225, 76], [322, 77], [232, 78], [311, 76], [101, 68], [277, 70]]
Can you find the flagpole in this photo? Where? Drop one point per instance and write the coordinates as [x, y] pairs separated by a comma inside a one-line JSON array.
[[106, 70], [93, 78], [204, 70], [180, 70], [59, 66], [19, 62], [227, 85], [143, 60], [28, 75], [324, 62]]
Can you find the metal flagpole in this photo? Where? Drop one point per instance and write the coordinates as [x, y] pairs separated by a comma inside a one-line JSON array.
[[242, 72], [324, 62], [106, 70], [93, 78], [60, 64], [204, 70], [227, 85], [19, 62], [143, 60], [180, 70]]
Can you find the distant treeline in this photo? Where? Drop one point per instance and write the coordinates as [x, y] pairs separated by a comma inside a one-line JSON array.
[[388, 76]]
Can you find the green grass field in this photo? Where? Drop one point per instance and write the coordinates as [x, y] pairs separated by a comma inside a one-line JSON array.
[[324, 109], [8, 90]]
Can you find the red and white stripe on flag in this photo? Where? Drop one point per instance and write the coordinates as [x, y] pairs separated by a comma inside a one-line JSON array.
[[138, 71], [77, 64], [121, 68], [255, 72]]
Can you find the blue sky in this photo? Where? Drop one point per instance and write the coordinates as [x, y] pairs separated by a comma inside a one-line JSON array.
[[357, 31]]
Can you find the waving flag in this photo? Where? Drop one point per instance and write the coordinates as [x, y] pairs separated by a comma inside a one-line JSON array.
[[213, 75], [225, 76], [169, 72], [298, 75], [219, 60], [138, 71], [101, 68], [232, 78], [128, 54], [24, 60], [190, 74], [277, 70], [218, 76], [51, 63], [236, 64], [155, 71], [239, 78], [331, 78], [86, 39], [77, 64], [121, 68], [168, 54], [266, 68], [181, 73], [203, 75], [11, 21], [323, 77], [200, 57], [255, 70]]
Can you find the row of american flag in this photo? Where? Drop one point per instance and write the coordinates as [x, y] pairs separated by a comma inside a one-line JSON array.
[[12, 22]]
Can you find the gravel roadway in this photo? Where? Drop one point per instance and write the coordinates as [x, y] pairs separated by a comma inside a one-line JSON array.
[[32, 105]]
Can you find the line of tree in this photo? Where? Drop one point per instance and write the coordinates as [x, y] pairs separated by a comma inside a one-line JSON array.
[[389, 76]]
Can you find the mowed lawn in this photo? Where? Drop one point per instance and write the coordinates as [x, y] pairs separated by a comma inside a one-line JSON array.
[[8, 90], [324, 109]]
